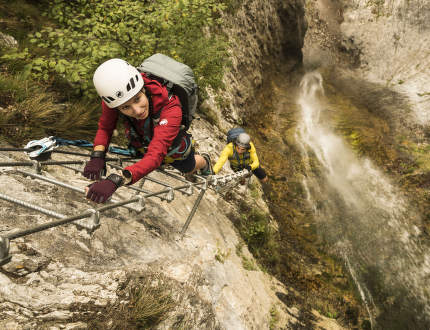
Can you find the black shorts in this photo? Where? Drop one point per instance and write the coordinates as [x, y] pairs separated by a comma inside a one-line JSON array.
[[260, 173], [186, 165]]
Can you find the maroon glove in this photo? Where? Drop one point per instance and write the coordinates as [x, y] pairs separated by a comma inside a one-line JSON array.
[[96, 167], [101, 191]]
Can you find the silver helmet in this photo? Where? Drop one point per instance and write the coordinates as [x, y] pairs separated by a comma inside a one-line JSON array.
[[243, 140]]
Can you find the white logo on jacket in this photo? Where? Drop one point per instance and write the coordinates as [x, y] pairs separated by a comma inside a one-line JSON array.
[[163, 122]]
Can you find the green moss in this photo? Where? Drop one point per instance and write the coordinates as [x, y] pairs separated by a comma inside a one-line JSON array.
[[247, 264], [254, 191], [274, 318]]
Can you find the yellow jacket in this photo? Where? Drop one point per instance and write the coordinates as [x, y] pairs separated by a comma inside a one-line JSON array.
[[228, 153]]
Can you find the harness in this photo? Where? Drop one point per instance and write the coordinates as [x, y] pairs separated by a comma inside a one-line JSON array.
[[141, 142], [237, 162]]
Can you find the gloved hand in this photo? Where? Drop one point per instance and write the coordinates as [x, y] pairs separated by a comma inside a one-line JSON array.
[[248, 168], [96, 167], [101, 191]]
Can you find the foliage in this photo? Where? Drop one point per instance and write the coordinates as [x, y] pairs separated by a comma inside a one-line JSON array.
[[377, 7], [90, 32], [255, 228], [149, 305], [254, 191], [274, 317], [19, 17], [29, 111], [261, 238], [221, 256], [62, 42], [247, 264], [15, 88]]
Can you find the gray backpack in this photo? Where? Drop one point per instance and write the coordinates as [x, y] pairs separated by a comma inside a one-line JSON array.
[[178, 79], [233, 133]]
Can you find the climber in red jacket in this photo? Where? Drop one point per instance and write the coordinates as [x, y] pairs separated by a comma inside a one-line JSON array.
[[152, 119]]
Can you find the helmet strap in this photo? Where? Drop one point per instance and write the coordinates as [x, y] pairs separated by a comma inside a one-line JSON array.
[[149, 97]]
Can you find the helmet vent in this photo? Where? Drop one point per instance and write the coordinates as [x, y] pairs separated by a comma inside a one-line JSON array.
[[108, 99], [132, 84]]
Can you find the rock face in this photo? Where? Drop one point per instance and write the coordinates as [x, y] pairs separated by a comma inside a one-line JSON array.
[[385, 42], [262, 33], [8, 41], [394, 37]]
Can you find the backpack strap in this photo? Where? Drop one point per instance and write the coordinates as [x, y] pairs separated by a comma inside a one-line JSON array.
[[155, 118], [164, 82], [241, 164]]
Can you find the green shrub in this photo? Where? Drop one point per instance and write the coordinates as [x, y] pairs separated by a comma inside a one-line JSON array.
[[261, 238], [90, 32]]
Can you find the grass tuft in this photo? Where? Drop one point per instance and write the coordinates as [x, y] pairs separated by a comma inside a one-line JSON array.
[[148, 301], [28, 111]]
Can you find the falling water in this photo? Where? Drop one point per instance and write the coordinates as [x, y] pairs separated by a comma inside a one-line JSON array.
[[363, 218]]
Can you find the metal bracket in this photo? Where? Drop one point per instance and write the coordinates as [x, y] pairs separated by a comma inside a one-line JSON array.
[[36, 166], [170, 196], [91, 223], [5, 257], [140, 204], [141, 183], [189, 191], [194, 209]]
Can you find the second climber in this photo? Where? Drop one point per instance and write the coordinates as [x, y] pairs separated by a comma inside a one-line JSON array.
[[242, 155]]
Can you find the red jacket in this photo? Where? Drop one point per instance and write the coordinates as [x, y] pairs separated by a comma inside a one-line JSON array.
[[163, 133]]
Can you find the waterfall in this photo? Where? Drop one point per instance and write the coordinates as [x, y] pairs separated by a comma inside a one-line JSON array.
[[364, 219]]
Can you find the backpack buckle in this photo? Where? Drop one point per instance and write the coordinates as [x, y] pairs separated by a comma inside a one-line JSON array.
[[169, 85]]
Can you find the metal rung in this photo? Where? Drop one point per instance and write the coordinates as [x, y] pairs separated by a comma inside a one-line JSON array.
[[65, 185]]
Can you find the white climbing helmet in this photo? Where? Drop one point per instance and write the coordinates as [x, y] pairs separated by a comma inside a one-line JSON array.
[[243, 140], [116, 82]]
